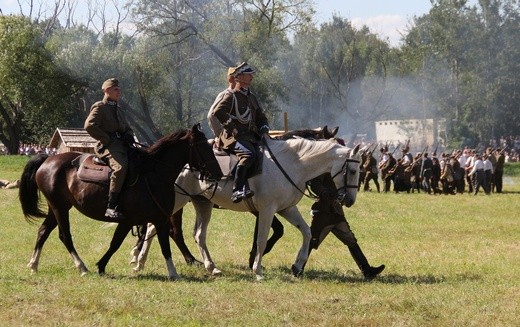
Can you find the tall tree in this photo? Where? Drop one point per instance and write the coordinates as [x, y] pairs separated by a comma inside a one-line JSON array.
[[342, 75], [34, 93]]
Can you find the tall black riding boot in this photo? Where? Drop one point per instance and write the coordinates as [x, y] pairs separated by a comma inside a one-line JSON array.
[[241, 188], [368, 271], [112, 208]]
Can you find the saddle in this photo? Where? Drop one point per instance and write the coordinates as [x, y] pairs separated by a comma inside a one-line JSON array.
[[93, 169], [229, 161]]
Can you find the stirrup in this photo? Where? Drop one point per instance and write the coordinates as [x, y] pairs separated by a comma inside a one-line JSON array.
[[238, 195]]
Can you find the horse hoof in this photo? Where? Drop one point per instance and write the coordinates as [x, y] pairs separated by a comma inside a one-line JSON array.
[[259, 278], [174, 278], [297, 272], [84, 273], [216, 272], [33, 269], [194, 262]]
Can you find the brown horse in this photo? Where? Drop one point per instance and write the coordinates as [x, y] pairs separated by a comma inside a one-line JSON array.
[[147, 198], [176, 231]]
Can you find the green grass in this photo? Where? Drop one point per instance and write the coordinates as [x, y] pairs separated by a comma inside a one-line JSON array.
[[451, 261]]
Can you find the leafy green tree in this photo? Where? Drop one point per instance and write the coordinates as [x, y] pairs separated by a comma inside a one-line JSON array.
[[34, 93], [342, 76]]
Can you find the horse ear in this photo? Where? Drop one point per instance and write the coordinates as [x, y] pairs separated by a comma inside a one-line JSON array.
[[334, 131], [196, 128], [325, 133], [356, 149]]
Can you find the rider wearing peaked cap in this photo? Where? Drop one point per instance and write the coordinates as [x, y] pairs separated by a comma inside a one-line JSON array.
[[107, 124], [243, 125]]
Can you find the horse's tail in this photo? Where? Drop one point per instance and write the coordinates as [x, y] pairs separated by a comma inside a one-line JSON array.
[[28, 192]]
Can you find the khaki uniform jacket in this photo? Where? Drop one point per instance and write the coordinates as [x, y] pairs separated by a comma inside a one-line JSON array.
[[106, 119], [500, 160], [228, 112]]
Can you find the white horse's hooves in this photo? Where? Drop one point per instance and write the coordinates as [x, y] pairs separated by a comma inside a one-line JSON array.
[[259, 278], [216, 272], [83, 273], [138, 268]]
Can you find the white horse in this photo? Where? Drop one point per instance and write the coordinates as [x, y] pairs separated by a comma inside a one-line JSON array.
[[278, 189]]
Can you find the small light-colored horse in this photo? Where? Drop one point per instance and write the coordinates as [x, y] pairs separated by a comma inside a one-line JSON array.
[[277, 190]]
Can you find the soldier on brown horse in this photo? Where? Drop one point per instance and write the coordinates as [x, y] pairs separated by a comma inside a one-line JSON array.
[[148, 197]]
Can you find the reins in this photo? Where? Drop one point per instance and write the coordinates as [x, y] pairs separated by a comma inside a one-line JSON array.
[[310, 195], [313, 196], [193, 153], [186, 193]]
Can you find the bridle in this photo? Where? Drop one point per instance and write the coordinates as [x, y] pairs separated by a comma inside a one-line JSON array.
[[345, 170], [195, 156]]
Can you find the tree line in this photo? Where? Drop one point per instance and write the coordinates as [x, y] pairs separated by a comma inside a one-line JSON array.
[[458, 62]]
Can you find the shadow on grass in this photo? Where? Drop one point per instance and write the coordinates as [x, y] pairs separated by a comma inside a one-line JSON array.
[[242, 273], [385, 278]]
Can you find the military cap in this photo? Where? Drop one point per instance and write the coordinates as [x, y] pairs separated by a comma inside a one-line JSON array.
[[231, 70], [243, 68], [111, 82]]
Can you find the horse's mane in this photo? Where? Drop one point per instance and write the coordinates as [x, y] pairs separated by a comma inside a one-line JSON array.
[[305, 133], [302, 147], [167, 141]]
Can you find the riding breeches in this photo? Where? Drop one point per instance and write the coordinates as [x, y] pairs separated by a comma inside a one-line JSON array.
[[245, 153], [118, 161], [328, 217]]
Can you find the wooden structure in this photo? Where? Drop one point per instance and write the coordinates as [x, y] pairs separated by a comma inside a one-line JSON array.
[[72, 139], [275, 133]]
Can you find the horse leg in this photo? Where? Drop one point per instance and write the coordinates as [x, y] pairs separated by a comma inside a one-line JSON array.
[[265, 219], [48, 225], [203, 215], [147, 243], [62, 217], [178, 237], [164, 242], [139, 244], [277, 228], [120, 233], [294, 217]]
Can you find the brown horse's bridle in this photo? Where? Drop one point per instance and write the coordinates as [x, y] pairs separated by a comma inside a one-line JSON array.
[[196, 156]]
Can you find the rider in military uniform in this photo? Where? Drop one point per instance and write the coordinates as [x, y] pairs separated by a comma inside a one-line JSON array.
[[244, 123], [107, 124]]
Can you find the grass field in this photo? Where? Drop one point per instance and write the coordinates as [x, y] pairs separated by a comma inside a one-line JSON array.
[[450, 261]]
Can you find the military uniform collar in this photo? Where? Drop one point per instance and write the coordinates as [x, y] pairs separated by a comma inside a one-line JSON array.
[[109, 101], [244, 91]]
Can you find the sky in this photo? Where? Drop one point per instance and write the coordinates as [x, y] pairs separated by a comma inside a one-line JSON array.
[[384, 17], [388, 18]]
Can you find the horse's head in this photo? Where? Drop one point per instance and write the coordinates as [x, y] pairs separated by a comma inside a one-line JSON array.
[[202, 157], [347, 177]]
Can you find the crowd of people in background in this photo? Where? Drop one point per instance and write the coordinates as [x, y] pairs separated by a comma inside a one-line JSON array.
[[29, 149], [454, 172]]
